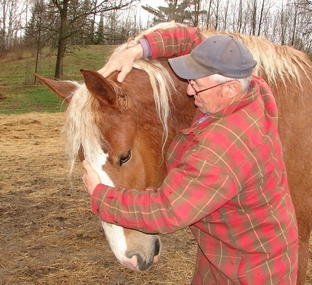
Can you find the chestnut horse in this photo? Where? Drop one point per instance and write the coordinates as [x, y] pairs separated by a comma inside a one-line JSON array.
[[124, 130]]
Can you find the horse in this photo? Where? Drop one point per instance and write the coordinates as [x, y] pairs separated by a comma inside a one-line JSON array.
[[124, 130]]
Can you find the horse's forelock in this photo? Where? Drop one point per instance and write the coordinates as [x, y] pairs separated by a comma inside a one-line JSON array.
[[80, 128]]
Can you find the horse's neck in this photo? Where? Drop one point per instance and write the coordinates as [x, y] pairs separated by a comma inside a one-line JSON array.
[[185, 110]]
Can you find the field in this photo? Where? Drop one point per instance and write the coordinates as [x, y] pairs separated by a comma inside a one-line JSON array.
[[47, 233]]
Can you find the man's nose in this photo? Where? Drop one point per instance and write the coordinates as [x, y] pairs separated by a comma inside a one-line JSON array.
[[190, 90]]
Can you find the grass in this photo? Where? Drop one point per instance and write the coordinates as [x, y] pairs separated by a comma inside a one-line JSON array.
[[20, 93], [31, 98]]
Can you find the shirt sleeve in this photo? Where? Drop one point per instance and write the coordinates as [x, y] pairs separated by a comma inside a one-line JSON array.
[[174, 41], [147, 51], [188, 194]]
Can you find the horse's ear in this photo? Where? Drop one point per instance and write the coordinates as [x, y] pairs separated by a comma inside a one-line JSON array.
[[98, 85], [63, 89]]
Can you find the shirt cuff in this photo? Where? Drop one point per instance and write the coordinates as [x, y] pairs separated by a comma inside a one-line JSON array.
[[147, 51], [97, 197]]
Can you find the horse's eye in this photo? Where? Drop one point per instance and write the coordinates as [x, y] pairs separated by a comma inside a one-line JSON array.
[[124, 158]]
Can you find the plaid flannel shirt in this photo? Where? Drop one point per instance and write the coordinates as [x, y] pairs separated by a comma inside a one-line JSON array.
[[226, 181]]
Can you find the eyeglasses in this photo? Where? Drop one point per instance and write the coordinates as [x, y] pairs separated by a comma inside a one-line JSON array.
[[196, 92]]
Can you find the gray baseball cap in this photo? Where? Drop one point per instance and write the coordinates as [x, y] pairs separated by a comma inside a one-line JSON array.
[[220, 54]]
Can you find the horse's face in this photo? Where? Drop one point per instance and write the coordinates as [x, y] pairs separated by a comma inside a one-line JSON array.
[[120, 137], [128, 131]]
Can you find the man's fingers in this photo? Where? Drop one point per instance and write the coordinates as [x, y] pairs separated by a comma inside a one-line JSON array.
[[122, 75], [106, 70], [122, 62], [110, 68]]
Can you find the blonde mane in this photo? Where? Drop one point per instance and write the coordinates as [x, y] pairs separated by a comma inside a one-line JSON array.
[[277, 62]]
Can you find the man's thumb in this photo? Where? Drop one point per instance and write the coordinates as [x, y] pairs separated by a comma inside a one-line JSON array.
[[86, 165]]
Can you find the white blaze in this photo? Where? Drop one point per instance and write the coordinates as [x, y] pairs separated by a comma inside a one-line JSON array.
[[114, 234]]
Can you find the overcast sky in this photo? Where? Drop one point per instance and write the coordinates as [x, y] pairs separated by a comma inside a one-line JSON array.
[[153, 3]]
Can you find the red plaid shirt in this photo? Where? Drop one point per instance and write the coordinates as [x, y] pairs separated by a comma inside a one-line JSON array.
[[226, 181]]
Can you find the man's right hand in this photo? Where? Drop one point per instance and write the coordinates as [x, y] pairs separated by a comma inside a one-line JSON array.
[[122, 62]]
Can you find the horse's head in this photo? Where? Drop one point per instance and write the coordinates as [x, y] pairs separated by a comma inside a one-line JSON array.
[[117, 128]]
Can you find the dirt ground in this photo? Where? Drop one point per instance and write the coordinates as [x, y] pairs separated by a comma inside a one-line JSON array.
[[47, 232]]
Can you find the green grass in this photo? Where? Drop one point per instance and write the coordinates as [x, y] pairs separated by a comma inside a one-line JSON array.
[[31, 99], [19, 93]]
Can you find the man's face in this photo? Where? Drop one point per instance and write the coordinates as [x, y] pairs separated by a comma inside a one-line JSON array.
[[210, 97]]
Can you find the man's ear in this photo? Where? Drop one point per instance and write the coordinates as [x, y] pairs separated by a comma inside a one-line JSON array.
[[234, 88]]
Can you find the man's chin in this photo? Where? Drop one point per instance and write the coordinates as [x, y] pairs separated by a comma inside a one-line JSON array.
[[202, 109]]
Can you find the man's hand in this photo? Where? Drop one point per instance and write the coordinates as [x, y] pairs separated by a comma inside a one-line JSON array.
[[90, 177], [122, 62]]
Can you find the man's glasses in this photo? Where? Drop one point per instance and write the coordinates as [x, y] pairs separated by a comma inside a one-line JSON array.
[[196, 92]]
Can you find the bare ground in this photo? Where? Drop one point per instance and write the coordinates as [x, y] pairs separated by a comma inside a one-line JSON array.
[[47, 232]]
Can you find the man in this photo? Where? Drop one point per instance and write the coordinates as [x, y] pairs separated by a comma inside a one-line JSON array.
[[226, 175]]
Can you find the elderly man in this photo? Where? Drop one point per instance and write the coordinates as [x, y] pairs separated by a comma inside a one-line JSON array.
[[226, 176]]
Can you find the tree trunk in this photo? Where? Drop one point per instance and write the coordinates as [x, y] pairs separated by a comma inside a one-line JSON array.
[[196, 11], [261, 18], [254, 18], [240, 17], [38, 51], [209, 16], [62, 40]]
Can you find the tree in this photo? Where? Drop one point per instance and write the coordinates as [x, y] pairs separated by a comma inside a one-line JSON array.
[[77, 21], [99, 34], [303, 40], [61, 47], [209, 15], [261, 15], [184, 11], [197, 11], [294, 25], [35, 30], [11, 23]]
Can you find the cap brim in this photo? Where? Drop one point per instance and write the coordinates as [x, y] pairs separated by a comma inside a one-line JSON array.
[[187, 68]]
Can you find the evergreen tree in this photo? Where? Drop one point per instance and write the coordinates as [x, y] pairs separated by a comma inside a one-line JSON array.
[[35, 28], [184, 11], [99, 34]]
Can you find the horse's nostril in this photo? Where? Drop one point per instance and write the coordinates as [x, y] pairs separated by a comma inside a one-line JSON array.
[[142, 265], [157, 247]]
